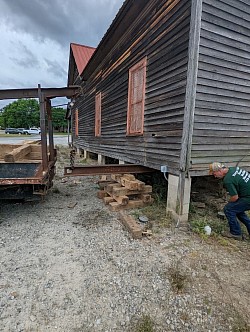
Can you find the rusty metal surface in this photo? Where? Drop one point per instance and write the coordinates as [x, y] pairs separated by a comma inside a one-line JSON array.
[[21, 181], [26, 173], [42, 103], [33, 93], [105, 170]]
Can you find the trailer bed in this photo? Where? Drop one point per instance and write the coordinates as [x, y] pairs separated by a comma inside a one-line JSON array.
[[21, 172]]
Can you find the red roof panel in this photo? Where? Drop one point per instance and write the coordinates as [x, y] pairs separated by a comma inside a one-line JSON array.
[[81, 54]]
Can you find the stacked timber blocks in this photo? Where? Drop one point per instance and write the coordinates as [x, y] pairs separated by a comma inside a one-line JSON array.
[[124, 192]]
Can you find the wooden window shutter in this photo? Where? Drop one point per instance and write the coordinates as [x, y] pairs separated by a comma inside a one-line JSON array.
[[98, 100], [136, 98], [76, 122]]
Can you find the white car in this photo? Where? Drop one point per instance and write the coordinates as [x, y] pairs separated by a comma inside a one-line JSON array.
[[32, 131]]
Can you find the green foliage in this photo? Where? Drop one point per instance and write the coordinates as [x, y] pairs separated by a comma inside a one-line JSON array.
[[178, 277], [58, 118], [240, 324], [198, 224], [158, 183], [25, 113], [22, 113], [199, 218], [143, 324]]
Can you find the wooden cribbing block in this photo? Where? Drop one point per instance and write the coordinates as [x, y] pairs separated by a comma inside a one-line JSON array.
[[110, 187], [115, 206], [104, 178], [103, 184], [123, 200], [116, 177], [108, 200], [130, 223], [131, 185], [17, 153], [132, 204], [130, 177], [124, 191], [130, 182], [146, 198], [101, 194], [141, 185]]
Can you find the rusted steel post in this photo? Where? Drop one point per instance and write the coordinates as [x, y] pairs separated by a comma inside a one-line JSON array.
[[50, 129], [43, 128]]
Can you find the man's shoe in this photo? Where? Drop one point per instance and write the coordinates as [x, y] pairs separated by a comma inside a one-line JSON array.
[[231, 236]]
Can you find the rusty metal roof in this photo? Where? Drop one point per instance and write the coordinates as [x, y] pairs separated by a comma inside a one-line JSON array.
[[81, 54]]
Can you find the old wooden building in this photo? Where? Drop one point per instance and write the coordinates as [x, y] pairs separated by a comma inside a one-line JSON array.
[[169, 85]]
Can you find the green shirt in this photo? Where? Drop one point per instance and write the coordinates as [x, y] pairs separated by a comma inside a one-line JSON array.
[[237, 182]]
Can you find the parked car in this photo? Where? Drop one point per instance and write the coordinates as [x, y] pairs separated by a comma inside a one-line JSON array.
[[32, 131], [14, 131], [21, 130]]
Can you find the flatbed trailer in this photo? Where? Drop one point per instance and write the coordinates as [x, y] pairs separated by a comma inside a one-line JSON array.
[[27, 170], [22, 175]]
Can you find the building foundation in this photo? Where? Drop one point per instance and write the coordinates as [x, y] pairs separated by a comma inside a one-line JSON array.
[[101, 159], [178, 198]]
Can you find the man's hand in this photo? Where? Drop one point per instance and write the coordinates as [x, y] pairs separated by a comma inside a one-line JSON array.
[[233, 198]]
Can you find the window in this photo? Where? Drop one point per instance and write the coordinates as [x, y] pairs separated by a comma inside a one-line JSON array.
[[136, 98], [98, 104], [76, 122]]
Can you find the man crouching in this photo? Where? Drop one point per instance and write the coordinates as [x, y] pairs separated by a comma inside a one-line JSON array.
[[237, 183]]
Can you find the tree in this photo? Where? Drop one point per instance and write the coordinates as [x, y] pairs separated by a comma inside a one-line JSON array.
[[58, 118], [25, 113], [22, 113]]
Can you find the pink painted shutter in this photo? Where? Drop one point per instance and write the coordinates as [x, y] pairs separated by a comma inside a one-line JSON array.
[[136, 98], [98, 114]]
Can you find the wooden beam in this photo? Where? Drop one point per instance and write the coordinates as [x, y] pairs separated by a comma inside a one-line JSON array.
[[17, 153], [193, 59], [34, 93]]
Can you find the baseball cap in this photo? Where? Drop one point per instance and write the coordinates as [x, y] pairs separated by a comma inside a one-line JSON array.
[[215, 166]]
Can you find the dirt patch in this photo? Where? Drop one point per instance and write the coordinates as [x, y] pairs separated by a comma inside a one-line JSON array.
[[67, 264]]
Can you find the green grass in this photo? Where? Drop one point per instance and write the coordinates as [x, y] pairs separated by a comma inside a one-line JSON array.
[[156, 214], [239, 324], [12, 135], [178, 277], [143, 324], [199, 218]]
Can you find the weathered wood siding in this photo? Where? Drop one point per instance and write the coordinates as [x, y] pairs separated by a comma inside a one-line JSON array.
[[161, 33], [221, 129]]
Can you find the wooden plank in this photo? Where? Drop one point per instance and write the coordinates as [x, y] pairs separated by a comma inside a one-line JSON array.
[[130, 177], [103, 184], [101, 194], [131, 225], [146, 198], [132, 204], [193, 59], [124, 191], [108, 200], [132, 184], [111, 186], [17, 154], [123, 200], [116, 177]]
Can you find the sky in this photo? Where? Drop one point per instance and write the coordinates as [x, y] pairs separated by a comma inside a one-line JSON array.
[[36, 35]]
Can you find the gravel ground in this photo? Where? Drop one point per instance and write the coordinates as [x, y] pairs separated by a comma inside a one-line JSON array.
[[69, 269]]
